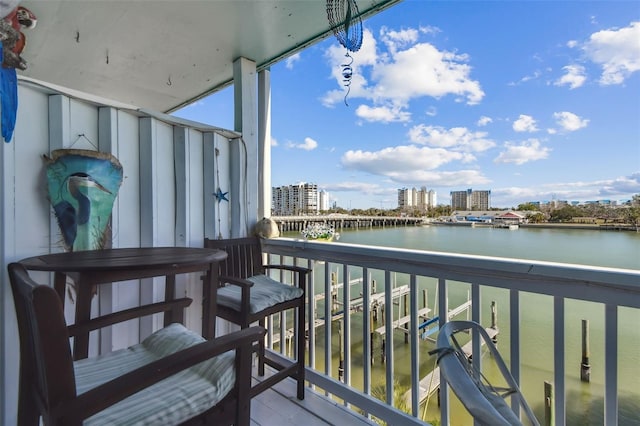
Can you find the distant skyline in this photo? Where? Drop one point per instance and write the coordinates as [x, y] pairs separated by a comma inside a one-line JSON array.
[[533, 100]]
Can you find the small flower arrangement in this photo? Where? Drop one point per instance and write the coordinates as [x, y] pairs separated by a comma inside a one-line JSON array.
[[319, 231]]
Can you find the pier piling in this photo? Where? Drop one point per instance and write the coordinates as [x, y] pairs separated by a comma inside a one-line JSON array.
[[585, 367], [548, 404], [494, 320]]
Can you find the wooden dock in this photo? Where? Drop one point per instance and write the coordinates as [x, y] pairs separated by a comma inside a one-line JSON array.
[[397, 324], [431, 382]]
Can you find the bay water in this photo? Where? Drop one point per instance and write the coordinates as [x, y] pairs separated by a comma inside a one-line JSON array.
[[586, 247]]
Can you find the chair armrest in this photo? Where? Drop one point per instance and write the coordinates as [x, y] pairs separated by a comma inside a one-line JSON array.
[[107, 394], [125, 315], [240, 282], [298, 269], [245, 286], [301, 271]]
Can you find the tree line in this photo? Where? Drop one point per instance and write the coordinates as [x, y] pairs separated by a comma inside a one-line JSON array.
[[587, 213]]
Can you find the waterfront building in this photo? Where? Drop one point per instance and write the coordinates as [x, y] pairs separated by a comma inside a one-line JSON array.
[[471, 200], [323, 200], [420, 199], [301, 198]]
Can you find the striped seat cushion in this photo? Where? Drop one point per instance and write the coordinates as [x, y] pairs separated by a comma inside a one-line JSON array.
[[168, 402], [266, 292]]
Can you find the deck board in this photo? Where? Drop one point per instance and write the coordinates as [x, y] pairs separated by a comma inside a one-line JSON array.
[[279, 406]]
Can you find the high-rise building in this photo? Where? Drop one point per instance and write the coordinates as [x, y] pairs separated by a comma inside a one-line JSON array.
[[301, 198], [420, 199], [405, 198], [470, 200], [323, 200]]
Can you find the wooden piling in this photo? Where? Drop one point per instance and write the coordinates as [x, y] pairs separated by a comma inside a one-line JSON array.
[[494, 315], [494, 320], [405, 305], [341, 361], [334, 291], [549, 414], [371, 334], [585, 367]]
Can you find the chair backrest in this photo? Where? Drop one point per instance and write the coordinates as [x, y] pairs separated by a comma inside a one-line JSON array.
[[46, 365], [244, 256]]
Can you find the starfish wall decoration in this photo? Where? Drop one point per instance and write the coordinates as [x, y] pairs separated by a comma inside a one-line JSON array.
[[220, 196]]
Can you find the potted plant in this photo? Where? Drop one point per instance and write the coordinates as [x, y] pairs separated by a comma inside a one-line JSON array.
[[320, 232]]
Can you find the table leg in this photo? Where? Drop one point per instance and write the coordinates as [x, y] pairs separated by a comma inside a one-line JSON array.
[[83, 314], [209, 300], [60, 285], [170, 294]]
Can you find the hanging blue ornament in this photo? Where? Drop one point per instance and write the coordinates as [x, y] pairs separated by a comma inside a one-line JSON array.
[[344, 18], [220, 196]]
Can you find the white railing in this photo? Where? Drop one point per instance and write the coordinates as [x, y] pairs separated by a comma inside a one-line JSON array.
[[452, 277]]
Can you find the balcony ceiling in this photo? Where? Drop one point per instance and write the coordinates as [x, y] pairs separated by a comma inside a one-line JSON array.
[[161, 54]]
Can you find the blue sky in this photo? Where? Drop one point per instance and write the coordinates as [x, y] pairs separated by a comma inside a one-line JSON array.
[[533, 100]]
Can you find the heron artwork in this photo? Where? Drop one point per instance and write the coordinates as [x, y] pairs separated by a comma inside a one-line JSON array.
[[82, 187]]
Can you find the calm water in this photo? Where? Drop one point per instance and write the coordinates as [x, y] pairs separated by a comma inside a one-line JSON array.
[[598, 248]]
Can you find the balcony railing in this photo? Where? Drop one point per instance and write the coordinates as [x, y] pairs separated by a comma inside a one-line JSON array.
[[350, 353]]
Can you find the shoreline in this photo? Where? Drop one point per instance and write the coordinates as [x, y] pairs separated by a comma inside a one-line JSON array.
[[587, 226], [577, 226]]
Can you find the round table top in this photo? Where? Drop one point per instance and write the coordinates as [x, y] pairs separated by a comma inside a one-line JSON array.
[[123, 258]]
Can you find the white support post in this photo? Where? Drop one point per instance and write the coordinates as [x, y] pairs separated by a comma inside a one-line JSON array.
[[243, 194], [264, 144]]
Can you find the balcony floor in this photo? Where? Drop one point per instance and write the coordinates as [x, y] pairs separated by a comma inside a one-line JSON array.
[[279, 406]]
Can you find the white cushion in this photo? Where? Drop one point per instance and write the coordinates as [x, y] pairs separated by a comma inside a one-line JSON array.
[[168, 402], [266, 292]]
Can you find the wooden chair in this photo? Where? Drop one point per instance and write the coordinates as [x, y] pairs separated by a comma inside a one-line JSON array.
[[247, 294], [172, 377]]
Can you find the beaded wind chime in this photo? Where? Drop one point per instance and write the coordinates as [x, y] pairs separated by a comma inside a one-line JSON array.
[[346, 24]]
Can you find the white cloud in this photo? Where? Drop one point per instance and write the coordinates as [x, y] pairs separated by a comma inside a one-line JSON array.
[[291, 60], [569, 121], [536, 74], [617, 51], [525, 123], [574, 77], [484, 120], [274, 141], [401, 70], [413, 165], [456, 138], [384, 114], [396, 39], [308, 144], [530, 150], [362, 187], [400, 159], [441, 178], [618, 188]]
